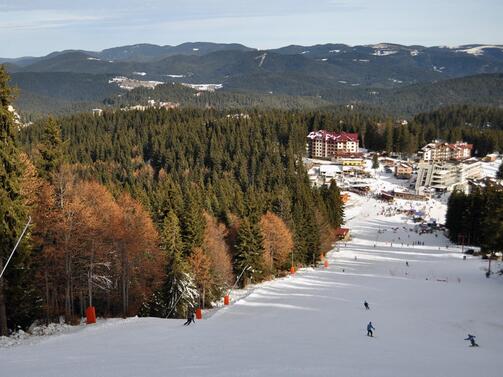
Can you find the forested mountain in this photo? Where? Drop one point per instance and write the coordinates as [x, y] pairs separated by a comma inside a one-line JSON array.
[[404, 80], [44, 93]]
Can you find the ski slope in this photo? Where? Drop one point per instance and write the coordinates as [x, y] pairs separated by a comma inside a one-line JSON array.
[[314, 323]]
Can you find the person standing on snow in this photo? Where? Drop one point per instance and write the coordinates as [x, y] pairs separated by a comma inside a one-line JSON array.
[[471, 338], [366, 304], [190, 317], [370, 329]]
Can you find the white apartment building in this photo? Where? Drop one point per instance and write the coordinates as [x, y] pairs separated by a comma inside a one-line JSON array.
[[446, 176], [442, 151]]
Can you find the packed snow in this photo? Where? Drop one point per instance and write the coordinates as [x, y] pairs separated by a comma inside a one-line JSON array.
[[489, 169], [262, 59], [384, 52], [130, 84], [424, 299], [204, 87], [479, 50]]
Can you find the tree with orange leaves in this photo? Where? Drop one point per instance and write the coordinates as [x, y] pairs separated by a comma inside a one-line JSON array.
[[278, 242], [217, 250], [141, 261], [200, 265]]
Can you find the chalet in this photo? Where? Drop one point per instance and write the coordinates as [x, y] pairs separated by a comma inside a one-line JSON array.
[[342, 234], [403, 170]]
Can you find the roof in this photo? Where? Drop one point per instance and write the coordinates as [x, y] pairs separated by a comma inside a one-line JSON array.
[[458, 145], [341, 231], [336, 136], [330, 169]]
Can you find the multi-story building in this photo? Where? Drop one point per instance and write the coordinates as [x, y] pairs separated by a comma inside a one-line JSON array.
[[442, 151], [446, 176], [331, 144], [403, 170]]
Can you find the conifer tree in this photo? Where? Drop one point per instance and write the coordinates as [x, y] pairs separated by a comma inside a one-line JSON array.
[[499, 173], [375, 161], [193, 225], [333, 202], [249, 248], [178, 291], [50, 149], [388, 133], [492, 222], [13, 214]]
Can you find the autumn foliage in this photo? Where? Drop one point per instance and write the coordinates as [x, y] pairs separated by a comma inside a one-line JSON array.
[[278, 242], [93, 249]]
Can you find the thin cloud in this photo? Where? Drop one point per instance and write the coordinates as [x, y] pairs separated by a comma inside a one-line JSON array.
[[39, 19]]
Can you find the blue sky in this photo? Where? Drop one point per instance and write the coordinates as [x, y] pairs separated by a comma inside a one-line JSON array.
[[37, 27]]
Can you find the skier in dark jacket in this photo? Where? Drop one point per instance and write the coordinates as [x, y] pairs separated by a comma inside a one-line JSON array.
[[190, 317], [366, 304], [471, 338], [369, 329]]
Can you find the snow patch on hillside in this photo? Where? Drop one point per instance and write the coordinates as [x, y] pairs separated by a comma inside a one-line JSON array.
[[384, 52], [130, 84], [479, 50], [204, 87], [262, 58]]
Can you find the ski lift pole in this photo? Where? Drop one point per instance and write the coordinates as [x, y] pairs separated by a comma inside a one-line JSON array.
[[176, 302], [237, 279], [15, 247]]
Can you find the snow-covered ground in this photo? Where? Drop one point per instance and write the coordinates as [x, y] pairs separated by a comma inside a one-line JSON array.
[[489, 169], [313, 323]]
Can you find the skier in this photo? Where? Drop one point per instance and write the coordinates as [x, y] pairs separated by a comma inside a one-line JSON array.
[[366, 304], [407, 263], [190, 317], [471, 338], [369, 329]]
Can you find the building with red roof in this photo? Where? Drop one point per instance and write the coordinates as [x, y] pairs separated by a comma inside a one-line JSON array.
[[323, 144]]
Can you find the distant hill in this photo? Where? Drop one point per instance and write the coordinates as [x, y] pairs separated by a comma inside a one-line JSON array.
[[405, 79]]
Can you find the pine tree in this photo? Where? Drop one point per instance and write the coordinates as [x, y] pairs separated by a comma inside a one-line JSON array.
[[334, 204], [499, 173], [13, 215], [249, 249], [178, 291], [389, 137], [50, 149], [375, 161], [192, 226], [492, 222], [454, 219]]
